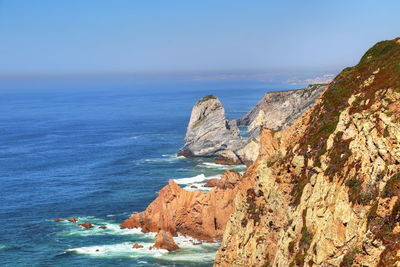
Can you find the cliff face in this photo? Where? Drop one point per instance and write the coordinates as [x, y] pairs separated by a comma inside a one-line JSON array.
[[209, 132], [326, 190], [200, 215], [279, 109]]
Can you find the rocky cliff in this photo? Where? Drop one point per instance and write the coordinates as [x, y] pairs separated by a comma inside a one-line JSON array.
[[209, 131], [200, 215], [279, 109], [211, 134], [326, 190]]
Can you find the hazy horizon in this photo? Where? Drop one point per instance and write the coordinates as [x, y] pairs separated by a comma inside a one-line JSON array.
[[220, 40]]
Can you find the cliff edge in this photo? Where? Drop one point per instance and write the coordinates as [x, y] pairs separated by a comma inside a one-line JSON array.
[[326, 190]]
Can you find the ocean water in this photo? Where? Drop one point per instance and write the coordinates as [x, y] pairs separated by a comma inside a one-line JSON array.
[[98, 153]]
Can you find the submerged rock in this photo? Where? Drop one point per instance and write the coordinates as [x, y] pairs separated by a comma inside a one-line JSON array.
[[136, 245], [103, 227], [58, 220], [165, 240], [86, 225]]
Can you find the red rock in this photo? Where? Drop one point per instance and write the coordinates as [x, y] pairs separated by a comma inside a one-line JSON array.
[[228, 180], [197, 214], [212, 182], [136, 245], [165, 240], [86, 225], [73, 220], [58, 220], [103, 227]]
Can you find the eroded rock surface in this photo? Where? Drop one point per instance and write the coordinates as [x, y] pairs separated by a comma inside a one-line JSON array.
[[200, 215], [325, 191], [209, 131], [165, 240], [211, 134]]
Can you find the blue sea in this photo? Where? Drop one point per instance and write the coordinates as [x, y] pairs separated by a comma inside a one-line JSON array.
[[99, 150]]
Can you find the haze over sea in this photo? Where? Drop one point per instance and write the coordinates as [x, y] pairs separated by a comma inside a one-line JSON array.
[[99, 150]]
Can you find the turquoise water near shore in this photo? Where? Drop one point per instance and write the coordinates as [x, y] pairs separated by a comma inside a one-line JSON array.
[[99, 154]]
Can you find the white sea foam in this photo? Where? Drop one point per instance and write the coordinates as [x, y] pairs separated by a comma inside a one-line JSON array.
[[191, 250], [211, 165], [72, 229], [119, 250], [191, 180]]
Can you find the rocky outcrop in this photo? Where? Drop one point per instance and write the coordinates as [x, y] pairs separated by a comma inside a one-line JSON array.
[[229, 179], [279, 109], [86, 225], [210, 134], [209, 131], [165, 240], [325, 191], [200, 215], [137, 246]]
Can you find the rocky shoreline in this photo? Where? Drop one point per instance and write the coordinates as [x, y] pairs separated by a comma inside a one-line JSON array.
[[324, 191]]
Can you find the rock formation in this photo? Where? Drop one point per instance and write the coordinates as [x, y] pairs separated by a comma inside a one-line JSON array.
[[136, 246], [86, 225], [229, 179], [279, 109], [210, 134], [165, 240], [200, 215], [325, 191]]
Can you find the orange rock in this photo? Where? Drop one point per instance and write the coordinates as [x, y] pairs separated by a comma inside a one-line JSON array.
[[136, 245], [212, 183], [197, 214], [165, 240], [58, 220], [73, 220], [86, 225], [228, 180], [103, 227]]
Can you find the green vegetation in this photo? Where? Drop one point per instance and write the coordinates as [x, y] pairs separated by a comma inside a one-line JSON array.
[[206, 98], [392, 187], [386, 132], [348, 259], [352, 183]]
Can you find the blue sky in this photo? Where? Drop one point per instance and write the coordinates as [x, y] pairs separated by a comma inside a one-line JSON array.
[[168, 36]]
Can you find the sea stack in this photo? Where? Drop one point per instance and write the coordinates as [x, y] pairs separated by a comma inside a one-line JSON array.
[[209, 132]]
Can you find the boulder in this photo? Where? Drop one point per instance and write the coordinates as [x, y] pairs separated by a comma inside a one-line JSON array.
[[165, 240], [212, 182], [86, 225], [73, 219], [103, 227], [136, 245]]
